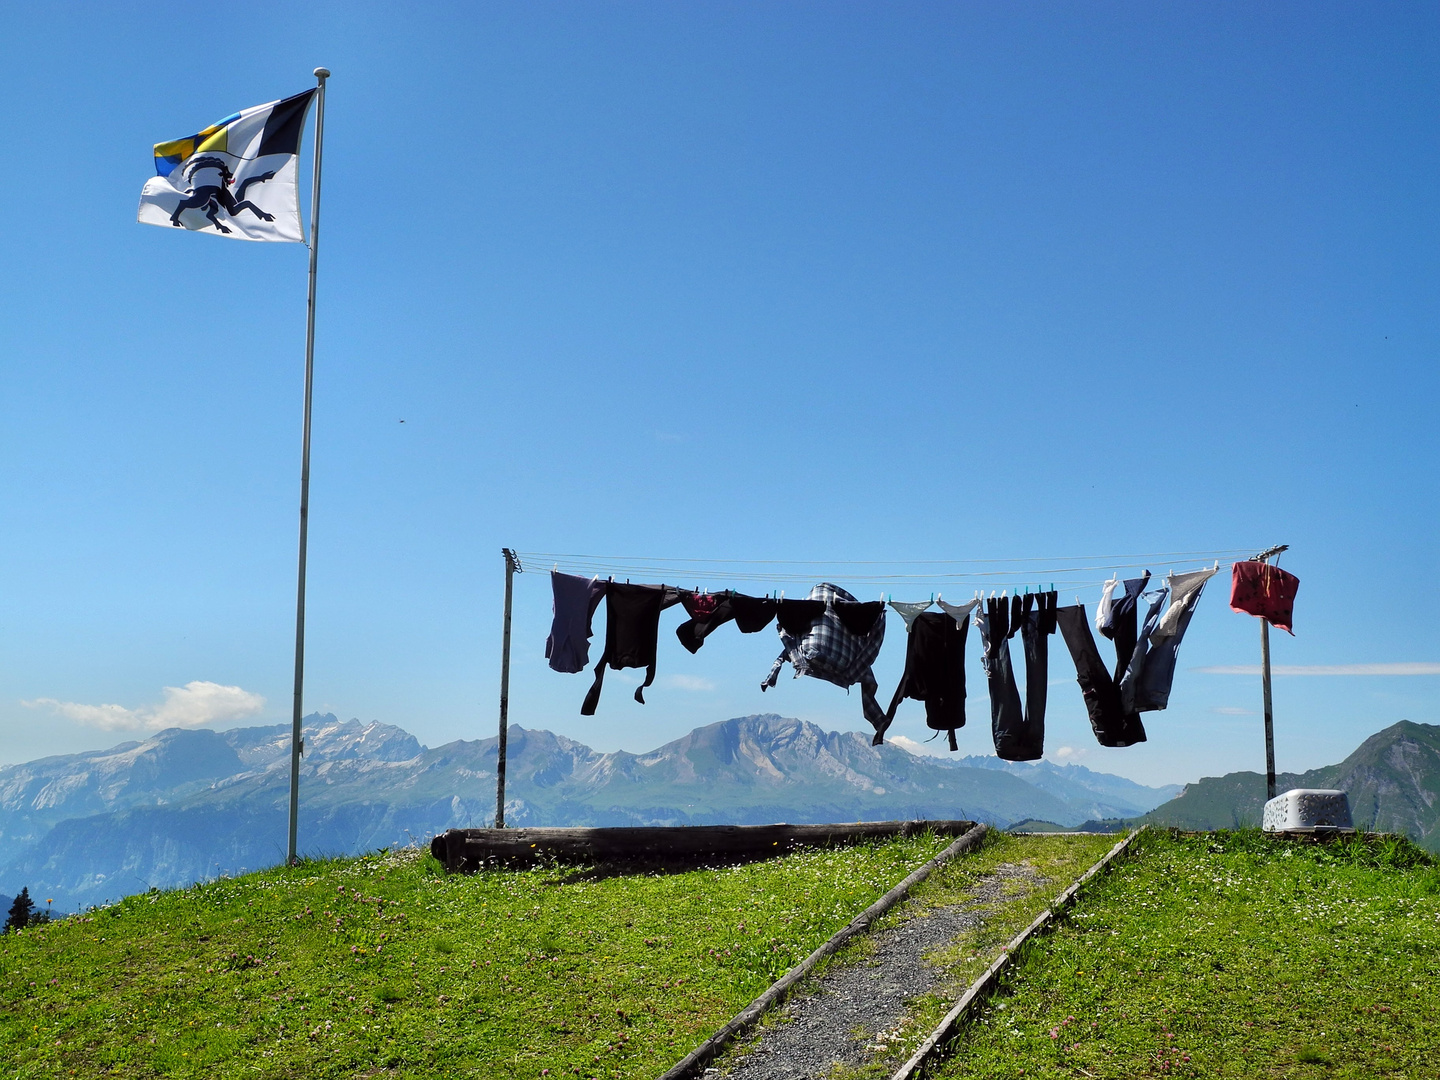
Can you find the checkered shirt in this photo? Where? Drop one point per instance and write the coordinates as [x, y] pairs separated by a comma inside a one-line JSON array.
[[829, 651]]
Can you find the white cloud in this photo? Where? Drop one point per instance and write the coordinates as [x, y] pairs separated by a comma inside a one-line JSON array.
[[196, 704], [687, 682], [1067, 753], [938, 748], [1325, 669], [1232, 710]]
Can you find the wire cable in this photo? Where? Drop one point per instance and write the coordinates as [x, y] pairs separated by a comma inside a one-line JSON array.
[[1021, 573]]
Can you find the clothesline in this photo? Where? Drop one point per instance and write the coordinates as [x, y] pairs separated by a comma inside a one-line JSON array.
[[832, 635], [1021, 574]]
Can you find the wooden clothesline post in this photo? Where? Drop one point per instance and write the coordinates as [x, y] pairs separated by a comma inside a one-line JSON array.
[[1265, 557], [512, 567]]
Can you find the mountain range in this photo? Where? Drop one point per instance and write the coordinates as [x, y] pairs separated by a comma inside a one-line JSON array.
[[187, 805]]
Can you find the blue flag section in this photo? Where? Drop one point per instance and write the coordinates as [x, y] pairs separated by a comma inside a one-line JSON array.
[[235, 178]]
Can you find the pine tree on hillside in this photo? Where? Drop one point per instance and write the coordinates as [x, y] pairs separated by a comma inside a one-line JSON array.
[[20, 910]]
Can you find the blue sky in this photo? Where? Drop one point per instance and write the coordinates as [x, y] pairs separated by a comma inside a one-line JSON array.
[[840, 282]]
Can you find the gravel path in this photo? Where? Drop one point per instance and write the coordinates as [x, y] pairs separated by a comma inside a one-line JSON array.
[[814, 1032]]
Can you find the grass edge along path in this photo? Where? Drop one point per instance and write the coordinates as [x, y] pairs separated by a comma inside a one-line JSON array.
[[946, 1031], [703, 1054]]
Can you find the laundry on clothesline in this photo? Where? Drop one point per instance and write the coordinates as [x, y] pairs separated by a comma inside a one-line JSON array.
[[935, 671], [1144, 658], [632, 633], [831, 635], [959, 612], [1112, 724], [1257, 588], [908, 612], [707, 611], [829, 650], [1017, 729], [1152, 687], [752, 613], [858, 617], [1135, 667], [797, 616], [576, 598]]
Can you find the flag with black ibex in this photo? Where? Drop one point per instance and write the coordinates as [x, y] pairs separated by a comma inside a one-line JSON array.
[[235, 178]]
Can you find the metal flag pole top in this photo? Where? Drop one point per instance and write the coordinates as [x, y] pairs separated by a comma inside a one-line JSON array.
[[512, 567], [297, 743], [1266, 556]]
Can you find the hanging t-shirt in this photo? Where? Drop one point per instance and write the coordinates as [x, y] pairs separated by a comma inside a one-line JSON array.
[[632, 632], [935, 671], [568, 646]]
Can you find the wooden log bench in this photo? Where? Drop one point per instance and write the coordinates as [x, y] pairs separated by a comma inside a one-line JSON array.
[[468, 850]]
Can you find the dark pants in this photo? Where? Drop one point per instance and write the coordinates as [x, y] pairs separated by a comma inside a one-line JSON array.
[[1112, 725], [1037, 674], [1015, 738]]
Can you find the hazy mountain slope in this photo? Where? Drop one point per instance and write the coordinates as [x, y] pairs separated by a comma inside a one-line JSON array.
[[766, 768], [1107, 796], [40, 794], [170, 766], [1393, 779]]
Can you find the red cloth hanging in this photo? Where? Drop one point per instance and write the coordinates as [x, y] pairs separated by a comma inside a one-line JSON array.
[[1257, 588]]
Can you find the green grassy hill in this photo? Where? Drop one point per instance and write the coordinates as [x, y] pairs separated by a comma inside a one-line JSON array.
[[384, 966], [1393, 779], [1228, 955]]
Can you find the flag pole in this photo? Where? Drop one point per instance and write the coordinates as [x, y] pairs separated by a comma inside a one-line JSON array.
[[297, 743]]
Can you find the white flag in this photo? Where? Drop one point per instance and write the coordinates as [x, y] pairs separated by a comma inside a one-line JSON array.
[[236, 178]]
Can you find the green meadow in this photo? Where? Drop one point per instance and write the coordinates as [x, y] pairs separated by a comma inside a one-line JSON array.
[[1229, 955], [384, 966], [1219, 955]]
